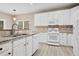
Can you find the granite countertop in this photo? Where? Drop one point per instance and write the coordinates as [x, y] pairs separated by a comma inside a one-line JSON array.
[[8, 38]]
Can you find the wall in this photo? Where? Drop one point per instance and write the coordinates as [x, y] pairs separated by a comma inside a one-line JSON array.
[[27, 17], [7, 18]]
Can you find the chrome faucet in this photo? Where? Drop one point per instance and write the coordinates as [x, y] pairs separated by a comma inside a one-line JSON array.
[[13, 30]]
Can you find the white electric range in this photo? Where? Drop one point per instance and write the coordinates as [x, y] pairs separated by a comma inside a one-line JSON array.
[[53, 36]]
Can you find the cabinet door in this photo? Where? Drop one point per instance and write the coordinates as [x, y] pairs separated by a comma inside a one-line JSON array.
[[29, 46], [19, 50], [37, 20], [63, 39], [43, 37], [53, 20], [60, 17], [6, 53], [35, 42], [70, 39], [66, 17], [44, 19], [41, 19]]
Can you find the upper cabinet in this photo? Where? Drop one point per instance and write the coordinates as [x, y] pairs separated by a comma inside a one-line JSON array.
[[61, 17], [66, 17], [52, 19], [41, 19]]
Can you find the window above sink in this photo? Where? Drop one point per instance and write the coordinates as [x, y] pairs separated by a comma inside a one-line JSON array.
[[22, 24]]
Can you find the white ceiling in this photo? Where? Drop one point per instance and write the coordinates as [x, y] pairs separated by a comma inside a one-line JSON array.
[[22, 8]]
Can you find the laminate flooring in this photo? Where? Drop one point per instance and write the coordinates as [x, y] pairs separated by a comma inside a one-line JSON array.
[[53, 50]]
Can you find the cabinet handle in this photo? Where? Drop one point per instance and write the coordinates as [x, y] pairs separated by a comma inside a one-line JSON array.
[[9, 53], [0, 48]]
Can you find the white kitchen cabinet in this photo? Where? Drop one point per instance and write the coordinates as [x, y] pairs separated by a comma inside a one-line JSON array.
[[37, 20], [61, 17], [43, 37], [35, 42], [63, 39], [19, 47], [66, 17], [44, 19], [66, 39], [6, 48], [52, 19], [29, 46], [75, 18], [70, 39], [19, 50], [41, 19], [7, 53]]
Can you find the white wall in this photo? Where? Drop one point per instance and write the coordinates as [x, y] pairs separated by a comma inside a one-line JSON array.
[[7, 20], [27, 17]]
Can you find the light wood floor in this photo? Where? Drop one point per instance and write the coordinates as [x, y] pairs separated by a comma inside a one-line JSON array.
[[48, 50]]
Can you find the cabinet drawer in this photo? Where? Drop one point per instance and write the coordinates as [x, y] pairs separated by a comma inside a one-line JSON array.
[[18, 41], [5, 46]]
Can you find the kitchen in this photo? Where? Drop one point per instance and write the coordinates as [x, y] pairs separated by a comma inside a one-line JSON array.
[[39, 30]]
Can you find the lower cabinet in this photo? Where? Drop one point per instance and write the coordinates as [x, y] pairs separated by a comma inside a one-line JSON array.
[[63, 39], [29, 46], [24, 46], [70, 39], [43, 37], [19, 47], [35, 43], [6, 48], [19, 50], [66, 39], [6, 53]]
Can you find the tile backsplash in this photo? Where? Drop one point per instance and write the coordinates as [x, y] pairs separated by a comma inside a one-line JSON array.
[[4, 33]]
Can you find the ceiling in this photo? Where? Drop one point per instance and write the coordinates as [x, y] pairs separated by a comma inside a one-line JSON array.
[[22, 8]]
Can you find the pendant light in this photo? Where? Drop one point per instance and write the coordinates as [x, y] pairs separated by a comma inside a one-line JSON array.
[[14, 18]]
